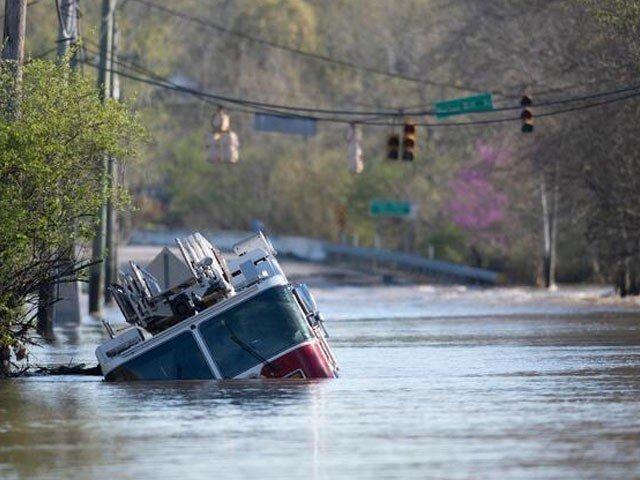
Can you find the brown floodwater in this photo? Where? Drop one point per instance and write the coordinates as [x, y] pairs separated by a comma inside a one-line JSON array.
[[436, 383]]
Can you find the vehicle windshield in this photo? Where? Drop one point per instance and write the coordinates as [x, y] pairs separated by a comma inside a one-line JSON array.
[[255, 331]]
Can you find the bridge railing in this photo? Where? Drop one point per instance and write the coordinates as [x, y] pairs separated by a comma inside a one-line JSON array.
[[415, 263], [319, 251]]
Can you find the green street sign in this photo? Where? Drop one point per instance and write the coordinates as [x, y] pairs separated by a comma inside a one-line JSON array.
[[460, 106], [390, 208]]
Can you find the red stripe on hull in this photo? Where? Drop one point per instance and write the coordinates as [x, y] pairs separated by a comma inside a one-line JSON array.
[[309, 358]]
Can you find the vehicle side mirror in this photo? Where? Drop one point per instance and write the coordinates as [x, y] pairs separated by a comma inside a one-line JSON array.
[[307, 302]]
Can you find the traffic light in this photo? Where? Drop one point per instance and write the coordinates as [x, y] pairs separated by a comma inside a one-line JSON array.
[[527, 114], [409, 142], [393, 147], [222, 142]]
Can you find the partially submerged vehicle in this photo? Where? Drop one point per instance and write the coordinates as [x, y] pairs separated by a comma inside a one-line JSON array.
[[239, 318]]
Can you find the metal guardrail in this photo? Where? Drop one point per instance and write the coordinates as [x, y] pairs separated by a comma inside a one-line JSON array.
[[415, 262], [317, 251], [299, 247]]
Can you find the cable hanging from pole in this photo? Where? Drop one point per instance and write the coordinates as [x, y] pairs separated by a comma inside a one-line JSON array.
[[317, 56], [259, 107], [305, 111]]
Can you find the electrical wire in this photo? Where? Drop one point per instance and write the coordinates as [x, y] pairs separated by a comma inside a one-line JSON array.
[[258, 107], [286, 109], [248, 37], [365, 121], [539, 115], [142, 69], [316, 56], [400, 112], [163, 82]]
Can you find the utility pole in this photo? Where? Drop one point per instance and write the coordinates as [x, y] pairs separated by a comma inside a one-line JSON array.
[[549, 229], [553, 257], [111, 258], [97, 278], [67, 290], [68, 30], [15, 21]]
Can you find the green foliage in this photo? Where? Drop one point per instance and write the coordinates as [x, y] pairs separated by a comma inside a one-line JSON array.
[[51, 165], [290, 22], [621, 15], [296, 185]]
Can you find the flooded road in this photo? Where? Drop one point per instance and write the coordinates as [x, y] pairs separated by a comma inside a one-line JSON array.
[[436, 382]]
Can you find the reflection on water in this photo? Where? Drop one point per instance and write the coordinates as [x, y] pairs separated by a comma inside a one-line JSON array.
[[531, 395]]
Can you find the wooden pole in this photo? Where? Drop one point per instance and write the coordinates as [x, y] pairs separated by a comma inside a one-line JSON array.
[[96, 277], [65, 292], [15, 20], [111, 258], [553, 253]]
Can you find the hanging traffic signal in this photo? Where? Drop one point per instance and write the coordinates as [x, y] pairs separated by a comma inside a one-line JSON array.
[[222, 142], [393, 147], [527, 114], [409, 142]]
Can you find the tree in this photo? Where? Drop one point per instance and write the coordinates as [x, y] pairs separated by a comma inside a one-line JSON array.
[[621, 16], [52, 186]]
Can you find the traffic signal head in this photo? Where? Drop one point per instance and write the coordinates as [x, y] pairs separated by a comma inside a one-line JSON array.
[[393, 147], [409, 142], [527, 114]]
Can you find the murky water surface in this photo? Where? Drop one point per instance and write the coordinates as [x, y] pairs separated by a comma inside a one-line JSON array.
[[436, 383]]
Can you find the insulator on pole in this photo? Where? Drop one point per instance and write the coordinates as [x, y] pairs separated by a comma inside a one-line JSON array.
[[354, 150]]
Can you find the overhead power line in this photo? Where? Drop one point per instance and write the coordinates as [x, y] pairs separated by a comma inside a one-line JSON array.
[[518, 118], [305, 53], [251, 108], [142, 69], [163, 82], [303, 111], [345, 63]]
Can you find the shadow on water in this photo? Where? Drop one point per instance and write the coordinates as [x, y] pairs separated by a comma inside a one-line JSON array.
[[250, 394], [81, 427]]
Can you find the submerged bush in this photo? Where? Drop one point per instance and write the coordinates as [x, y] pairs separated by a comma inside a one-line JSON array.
[[51, 165]]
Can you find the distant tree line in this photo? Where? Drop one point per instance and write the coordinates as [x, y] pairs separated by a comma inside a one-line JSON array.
[[556, 205]]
